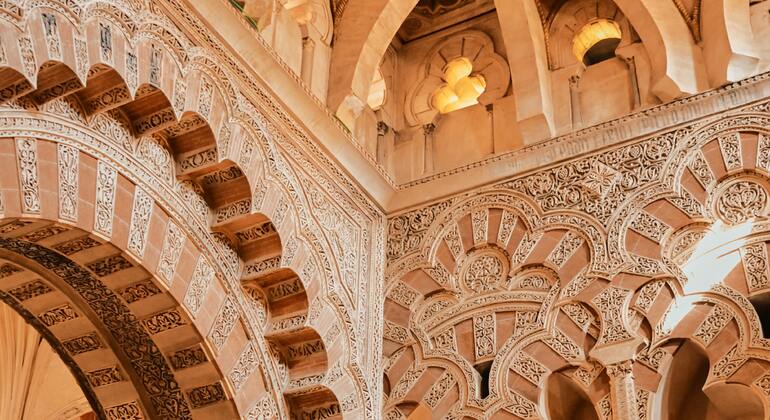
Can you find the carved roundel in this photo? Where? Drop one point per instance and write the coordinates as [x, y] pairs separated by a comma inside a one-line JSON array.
[[741, 200], [484, 271]]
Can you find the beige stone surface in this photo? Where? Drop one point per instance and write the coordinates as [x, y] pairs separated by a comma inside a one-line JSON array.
[[205, 217]]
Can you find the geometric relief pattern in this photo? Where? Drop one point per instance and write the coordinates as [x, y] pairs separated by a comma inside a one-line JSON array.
[[172, 249], [604, 407], [406, 382], [507, 224], [763, 154], [402, 294], [526, 246], [649, 226], [26, 150], [566, 247], [138, 291], [701, 170], [730, 146], [648, 294], [755, 264], [643, 403], [439, 389], [68, 182], [224, 323], [189, 357], [609, 302], [140, 222], [128, 411], [479, 222], [453, 241], [29, 290], [446, 340], [728, 364], [713, 324], [395, 332], [529, 368], [105, 376], [247, 363], [484, 335], [202, 277], [163, 321], [763, 383], [206, 395], [106, 187], [562, 344], [57, 315], [521, 407]]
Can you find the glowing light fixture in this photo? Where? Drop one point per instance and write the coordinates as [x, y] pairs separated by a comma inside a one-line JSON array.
[[596, 41], [461, 90]]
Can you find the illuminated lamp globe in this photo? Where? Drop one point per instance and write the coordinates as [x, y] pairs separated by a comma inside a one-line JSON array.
[[596, 41]]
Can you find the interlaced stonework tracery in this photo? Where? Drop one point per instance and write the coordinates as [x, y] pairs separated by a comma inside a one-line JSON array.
[[189, 250], [579, 271]]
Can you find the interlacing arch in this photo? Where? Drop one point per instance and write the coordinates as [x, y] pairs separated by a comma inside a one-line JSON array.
[[140, 145], [493, 292], [697, 247], [682, 274]]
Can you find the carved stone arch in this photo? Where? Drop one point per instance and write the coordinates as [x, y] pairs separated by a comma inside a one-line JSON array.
[[437, 376], [222, 79], [321, 230], [518, 204], [650, 303], [692, 142], [650, 218], [443, 393], [201, 282], [539, 253], [112, 11], [526, 362], [168, 252], [697, 190], [305, 345], [72, 13], [728, 380], [156, 30]]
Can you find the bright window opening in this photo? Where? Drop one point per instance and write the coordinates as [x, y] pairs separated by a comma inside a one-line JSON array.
[[461, 89], [596, 41]]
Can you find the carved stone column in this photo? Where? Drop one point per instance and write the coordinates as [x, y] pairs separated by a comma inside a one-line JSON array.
[[382, 131], [631, 63], [574, 98], [428, 130], [308, 59], [622, 391]]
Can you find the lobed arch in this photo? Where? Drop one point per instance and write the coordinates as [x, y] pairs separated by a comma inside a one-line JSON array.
[[200, 286], [160, 155], [548, 258], [659, 234]]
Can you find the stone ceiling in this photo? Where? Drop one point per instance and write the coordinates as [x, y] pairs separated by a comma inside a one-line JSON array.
[[431, 16]]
